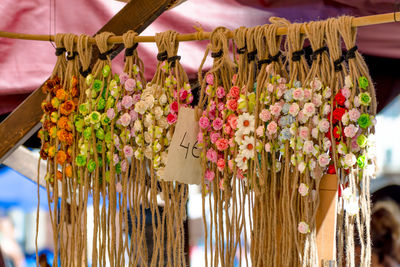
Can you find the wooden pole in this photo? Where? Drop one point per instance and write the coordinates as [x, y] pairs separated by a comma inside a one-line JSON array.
[[200, 35], [326, 220]]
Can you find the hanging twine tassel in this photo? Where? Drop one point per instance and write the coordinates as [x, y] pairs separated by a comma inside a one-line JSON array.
[[49, 138], [270, 87], [68, 218], [298, 96], [338, 73], [133, 184], [218, 146], [318, 80], [354, 111], [94, 155], [159, 106], [239, 186], [84, 50]]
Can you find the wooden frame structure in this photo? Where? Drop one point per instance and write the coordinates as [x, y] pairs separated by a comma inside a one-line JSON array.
[[137, 15]]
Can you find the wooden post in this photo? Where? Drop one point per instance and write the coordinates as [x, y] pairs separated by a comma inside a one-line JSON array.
[[24, 121], [326, 220]]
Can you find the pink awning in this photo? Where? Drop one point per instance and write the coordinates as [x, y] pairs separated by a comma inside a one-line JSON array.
[[24, 65]]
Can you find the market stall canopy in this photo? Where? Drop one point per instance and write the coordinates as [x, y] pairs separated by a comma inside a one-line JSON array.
[[24, 65]]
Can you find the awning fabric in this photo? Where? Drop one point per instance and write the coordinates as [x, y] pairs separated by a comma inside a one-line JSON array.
[[24, 65]]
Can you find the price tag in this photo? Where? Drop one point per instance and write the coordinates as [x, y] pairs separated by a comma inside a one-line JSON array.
[[183, 160]]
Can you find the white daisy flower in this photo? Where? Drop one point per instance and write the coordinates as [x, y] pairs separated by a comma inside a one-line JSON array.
[[247, 147], [239, 136], [246, 123], [241, 162]]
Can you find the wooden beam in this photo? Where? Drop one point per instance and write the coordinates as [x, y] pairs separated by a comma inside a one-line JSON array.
[[24, 121]]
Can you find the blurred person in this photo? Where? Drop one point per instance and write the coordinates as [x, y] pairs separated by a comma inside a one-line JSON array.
[[385, 234], [43, 261], [8, 245]]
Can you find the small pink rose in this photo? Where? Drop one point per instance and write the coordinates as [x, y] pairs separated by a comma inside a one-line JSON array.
[[354, 114], [234, 92], [232, 104], [127, 101], [204, 122], [294, 109], [136, 98], [130, 84], [303, 189], [303, 228], [220, 92], [217, 124], [227, 129], [222, 144], [281, 90], [276, 109], [221, 107], [209, 175], [309, 109], [298, 94], [134, 115], [323, 160], [346, 92], [221, 164], [302, 117], [211, 114], [317, 100], [260, 130], [354, 145], [211, 155], [232, 120], [265, 115], [212, 105], [125, 119], [214, 136], [110, 113], [272, 127], [308, 147], [307, 94], [350, 131], [210, 79], [323, 125], [119, 105], [128, 151], [304, 132], [123, 77]]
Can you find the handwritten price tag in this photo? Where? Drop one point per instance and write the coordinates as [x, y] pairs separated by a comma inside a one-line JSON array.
[[183, 160]]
